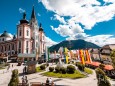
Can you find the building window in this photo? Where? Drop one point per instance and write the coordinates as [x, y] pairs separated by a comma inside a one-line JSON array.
[[5, 48], [19, 44], [27, 33], [3, 39], [26, 50], [26, 44], [12, 46], [2, 49], [19, 51], [20, 33], [9, 48]]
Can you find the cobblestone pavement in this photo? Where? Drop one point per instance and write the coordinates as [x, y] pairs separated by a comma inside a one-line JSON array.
[[37, 77]]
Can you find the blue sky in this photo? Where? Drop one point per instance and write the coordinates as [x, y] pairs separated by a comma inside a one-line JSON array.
[[91, 20]]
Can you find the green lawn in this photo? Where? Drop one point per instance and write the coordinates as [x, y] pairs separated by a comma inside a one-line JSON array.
[[1, 68], [76, 75], [89, 71], [38, 69]]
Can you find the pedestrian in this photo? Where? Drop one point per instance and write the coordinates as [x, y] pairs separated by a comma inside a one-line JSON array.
[[50, 80], [47, 81], [26, 79], [12, 65]]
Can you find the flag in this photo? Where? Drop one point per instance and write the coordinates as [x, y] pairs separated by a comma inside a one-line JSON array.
[[77, 52], [81, 56], [88, 57], [66, 55], [48, 54]]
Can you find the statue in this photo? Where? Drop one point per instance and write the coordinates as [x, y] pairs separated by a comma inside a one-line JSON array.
[[24, 15], [60, 64]]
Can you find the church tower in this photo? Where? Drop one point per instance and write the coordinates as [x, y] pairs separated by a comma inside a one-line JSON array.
[[24, 36], [34, 32]]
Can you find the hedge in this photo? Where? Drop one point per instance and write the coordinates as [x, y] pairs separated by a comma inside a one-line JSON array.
[[70, 69], [51, 69]]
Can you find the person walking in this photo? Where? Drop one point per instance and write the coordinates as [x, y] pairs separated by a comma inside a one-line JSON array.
[[12, 65], [50, 81], [8, 68], [47, 82]]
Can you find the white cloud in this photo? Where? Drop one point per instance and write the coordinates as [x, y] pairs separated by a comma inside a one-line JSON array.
[[21, 10], [49, 42], [39, 14], [39, 1], [81, 12], [101, 39], [86, 12], [61, 19]]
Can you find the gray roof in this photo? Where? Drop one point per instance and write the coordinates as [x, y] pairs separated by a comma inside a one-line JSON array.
[[110, 46], [31, 63]]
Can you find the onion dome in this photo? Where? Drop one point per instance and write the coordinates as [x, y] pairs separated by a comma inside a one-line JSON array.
[[24, 19], [5, 34]]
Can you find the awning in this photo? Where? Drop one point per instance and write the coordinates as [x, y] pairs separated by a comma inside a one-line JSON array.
[[108, 67], [95, 63], [86, 62], [26, 55]]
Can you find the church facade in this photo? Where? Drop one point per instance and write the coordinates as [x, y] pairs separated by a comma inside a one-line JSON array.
[[28, 43]]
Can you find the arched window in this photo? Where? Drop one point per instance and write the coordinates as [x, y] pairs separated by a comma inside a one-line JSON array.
[[19, 32], [26, 46], [12, 46], [5, 48], [9, 48], [19, 44], [3, 39], [27, 32], [19, 47]]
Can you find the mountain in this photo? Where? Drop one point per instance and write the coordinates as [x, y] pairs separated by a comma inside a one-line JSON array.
[[73, 44]]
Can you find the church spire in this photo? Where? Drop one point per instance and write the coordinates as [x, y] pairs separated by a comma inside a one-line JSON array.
[[33, 13]]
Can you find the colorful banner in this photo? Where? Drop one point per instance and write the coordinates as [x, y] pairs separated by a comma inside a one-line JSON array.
[[82, 56], [88, 58], [48, 54], [66, 55]]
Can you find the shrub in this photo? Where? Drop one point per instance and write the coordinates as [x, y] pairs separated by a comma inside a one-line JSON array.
[[14, 79], [70, 69], [51, 69], [63, 70], [101, 77], [57, 69], [101, 66], [42, 67], [47, 64], [80, 66]]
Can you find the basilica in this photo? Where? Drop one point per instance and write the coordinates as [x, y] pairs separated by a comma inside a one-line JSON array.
[[27, 44]]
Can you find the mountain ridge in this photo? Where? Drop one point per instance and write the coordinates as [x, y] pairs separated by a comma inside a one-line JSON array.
[[73, 44]]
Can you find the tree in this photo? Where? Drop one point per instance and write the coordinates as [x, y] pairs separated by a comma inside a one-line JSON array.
[[112, 55], [14, 79]]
